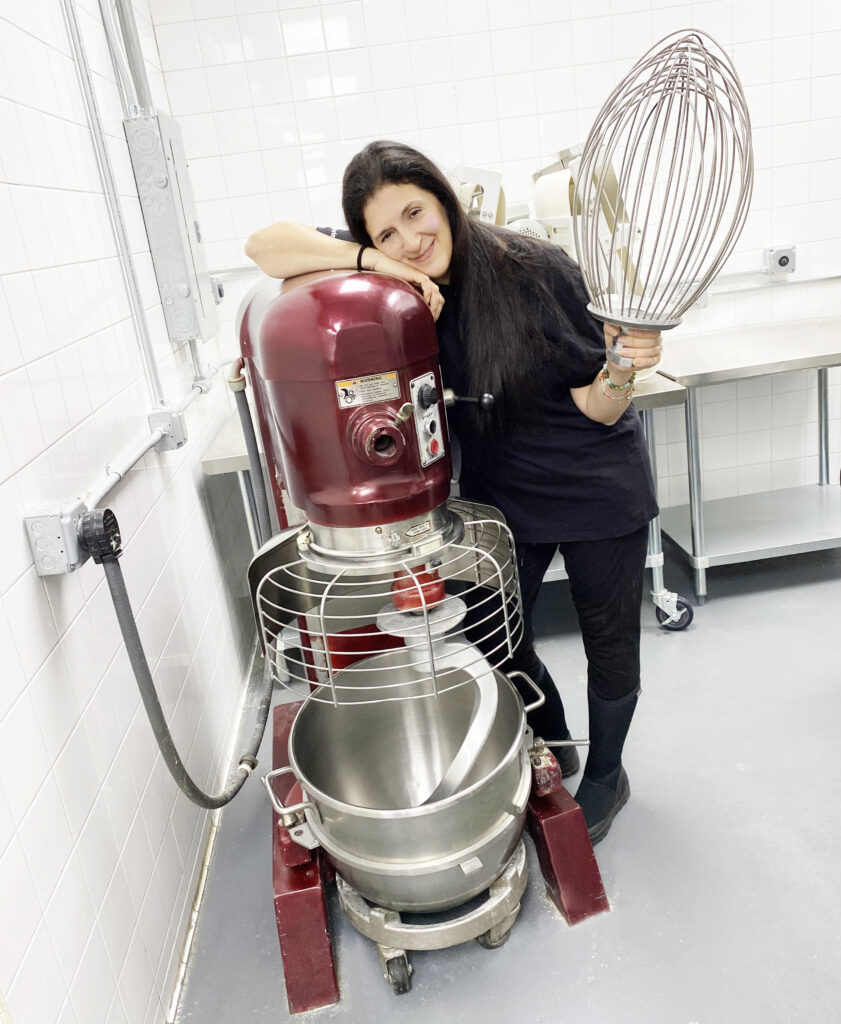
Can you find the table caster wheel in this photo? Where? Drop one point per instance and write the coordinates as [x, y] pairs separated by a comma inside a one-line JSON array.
[[399, 975], [685, 614]]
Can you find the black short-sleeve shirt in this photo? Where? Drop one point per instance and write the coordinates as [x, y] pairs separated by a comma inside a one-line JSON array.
[[561, 476]]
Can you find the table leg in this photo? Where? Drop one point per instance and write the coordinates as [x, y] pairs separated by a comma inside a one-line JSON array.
[[823, 425], [655, 539], [246, 491], [696, 498]]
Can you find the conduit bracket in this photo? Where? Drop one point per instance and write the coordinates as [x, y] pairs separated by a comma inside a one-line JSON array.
[[204, 382], [174, 426]]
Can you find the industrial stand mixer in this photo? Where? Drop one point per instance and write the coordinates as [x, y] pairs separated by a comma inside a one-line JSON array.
[[391, 607]]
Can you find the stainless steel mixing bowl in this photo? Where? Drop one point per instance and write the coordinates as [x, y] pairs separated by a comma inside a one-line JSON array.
[[366, 766]]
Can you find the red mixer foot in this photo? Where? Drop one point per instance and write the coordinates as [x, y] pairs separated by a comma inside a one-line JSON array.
[[573, 880], [303, 928]]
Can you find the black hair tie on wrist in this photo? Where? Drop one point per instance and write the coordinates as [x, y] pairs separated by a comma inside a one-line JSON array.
[[362, 249]]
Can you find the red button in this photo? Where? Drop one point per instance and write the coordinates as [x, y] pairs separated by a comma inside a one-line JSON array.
[[434, 446]]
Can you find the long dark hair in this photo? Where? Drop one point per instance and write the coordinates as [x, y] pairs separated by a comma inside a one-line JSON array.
[[504, 299]]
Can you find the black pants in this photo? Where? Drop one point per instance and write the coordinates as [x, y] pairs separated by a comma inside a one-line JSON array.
[[606, 584]]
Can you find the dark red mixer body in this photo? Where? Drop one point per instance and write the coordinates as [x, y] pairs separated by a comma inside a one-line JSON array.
[[333, 359]]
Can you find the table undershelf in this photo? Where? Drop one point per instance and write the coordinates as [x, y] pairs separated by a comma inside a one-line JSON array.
[[754, 526]]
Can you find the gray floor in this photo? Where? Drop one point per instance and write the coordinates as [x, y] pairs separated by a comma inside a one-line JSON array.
[[723, 871]]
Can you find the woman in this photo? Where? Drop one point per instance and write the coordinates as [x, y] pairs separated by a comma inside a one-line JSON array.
[[561, 453]]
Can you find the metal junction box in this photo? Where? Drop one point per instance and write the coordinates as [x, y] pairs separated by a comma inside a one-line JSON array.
[[169, 213]]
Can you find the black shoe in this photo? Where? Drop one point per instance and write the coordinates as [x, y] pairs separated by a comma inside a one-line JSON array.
[[602, 800]]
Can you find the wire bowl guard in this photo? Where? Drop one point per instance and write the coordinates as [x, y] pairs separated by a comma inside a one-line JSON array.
[[333, 629]]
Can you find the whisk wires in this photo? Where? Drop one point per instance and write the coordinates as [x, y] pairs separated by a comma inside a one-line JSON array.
[[664, 183]]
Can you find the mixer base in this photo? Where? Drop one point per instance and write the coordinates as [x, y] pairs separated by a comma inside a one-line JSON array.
[[490, 923], [569, 868]]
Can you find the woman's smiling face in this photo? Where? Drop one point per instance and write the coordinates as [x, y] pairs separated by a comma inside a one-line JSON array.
[[410, 225]]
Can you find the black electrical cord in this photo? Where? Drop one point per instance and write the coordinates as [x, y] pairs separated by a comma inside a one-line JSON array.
[[99, 536]]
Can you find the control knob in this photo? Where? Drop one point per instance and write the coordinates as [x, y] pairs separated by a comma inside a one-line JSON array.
[[427, 396]]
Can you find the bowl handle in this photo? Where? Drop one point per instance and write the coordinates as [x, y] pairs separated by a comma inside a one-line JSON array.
[[286, 811], [541, 700]]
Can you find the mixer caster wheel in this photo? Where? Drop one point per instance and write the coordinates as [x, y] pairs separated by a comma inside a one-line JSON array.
[[492, 939], [497, 936], [685, 614], [399, 974]]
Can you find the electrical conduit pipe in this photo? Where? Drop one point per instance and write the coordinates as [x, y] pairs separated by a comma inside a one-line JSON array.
[[237, 384]]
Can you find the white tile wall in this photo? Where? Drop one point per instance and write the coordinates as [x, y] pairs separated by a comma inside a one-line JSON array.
[[274, 96], [98, 855]]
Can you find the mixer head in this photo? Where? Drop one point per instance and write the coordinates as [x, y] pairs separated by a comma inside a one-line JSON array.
[[664, 183]]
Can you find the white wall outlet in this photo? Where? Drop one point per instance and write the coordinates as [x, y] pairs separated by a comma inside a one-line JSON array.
[[781, 260]]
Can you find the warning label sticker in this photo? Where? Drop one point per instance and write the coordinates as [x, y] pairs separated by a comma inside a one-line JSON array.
[[379, 387]]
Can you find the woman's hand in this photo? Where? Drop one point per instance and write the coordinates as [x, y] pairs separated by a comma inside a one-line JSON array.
[[373, 259], [644, 348], [597, 401]]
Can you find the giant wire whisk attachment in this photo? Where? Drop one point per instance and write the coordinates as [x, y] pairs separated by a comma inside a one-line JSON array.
[[663, 185]]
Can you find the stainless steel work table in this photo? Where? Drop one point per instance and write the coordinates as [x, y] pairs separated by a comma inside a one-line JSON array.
[[753, 526], [226, 454]]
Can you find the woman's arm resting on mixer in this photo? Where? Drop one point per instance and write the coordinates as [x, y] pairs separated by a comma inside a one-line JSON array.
[[596, 400], [286, 249]]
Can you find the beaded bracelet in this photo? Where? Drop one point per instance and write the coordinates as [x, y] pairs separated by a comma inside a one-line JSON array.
[[625, 390], [629, 383]]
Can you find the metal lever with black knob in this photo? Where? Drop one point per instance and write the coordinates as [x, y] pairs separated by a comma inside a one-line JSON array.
[[485, 402]]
